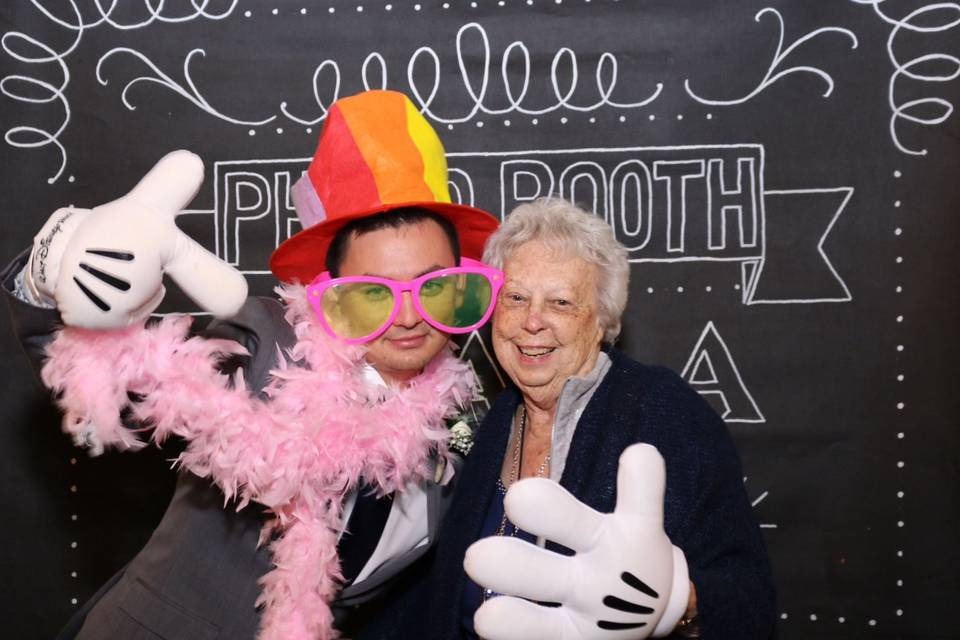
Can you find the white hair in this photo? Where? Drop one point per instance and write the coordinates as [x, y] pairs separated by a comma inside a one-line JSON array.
[[568, 228]]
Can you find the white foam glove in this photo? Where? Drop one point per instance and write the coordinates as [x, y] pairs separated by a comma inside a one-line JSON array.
[[103, 267], [626, 579]]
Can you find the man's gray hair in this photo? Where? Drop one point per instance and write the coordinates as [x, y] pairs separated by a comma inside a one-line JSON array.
[[568, 228]]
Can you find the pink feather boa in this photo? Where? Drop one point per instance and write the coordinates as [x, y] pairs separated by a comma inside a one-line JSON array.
[[321, 427]]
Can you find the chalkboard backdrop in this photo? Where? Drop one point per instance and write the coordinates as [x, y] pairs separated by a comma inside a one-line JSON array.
[[783, 172]]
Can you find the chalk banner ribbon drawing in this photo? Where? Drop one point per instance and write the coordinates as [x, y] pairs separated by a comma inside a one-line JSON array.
[[701, 203]]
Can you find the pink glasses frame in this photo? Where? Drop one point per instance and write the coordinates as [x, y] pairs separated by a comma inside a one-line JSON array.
[[467, 266]]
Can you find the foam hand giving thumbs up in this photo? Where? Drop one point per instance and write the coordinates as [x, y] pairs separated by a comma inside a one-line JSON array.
[[103, 267]]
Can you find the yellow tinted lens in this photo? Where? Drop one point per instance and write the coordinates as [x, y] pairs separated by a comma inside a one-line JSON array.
[[358, 309], [457, 300]]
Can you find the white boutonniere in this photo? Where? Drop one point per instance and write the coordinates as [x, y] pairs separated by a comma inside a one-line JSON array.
[[461, 435]]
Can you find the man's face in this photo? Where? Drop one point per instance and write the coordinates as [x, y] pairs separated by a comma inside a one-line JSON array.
[[401, 253]]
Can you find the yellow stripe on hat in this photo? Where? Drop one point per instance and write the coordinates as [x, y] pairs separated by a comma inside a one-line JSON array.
[[431, 150]]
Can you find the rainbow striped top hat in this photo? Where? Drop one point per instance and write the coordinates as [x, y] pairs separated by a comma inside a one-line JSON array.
[[376, 153]]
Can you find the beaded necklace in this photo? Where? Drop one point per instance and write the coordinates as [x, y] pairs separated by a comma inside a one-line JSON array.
[[514, 476]]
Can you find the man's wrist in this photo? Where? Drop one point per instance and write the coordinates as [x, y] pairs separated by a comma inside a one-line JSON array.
[[26, 291]]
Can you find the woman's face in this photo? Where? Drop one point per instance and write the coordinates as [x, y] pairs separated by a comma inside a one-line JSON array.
[[545, 326]]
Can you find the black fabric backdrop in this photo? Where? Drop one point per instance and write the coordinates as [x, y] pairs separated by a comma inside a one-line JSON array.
[[783, 171]]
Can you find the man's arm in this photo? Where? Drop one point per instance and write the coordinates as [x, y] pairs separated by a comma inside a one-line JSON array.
[[259, 327], [33, 323]]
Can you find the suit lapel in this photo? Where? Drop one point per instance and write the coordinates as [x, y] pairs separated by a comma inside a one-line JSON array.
[[439, 495]]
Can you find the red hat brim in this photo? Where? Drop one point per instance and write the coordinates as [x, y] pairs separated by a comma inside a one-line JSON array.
[[303, 256]]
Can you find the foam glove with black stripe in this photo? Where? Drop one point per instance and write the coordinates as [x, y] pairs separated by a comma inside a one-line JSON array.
[[103, 267], [626, 579]]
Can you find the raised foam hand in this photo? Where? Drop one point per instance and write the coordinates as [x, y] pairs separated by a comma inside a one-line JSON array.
[[626, 579], [103, 267]]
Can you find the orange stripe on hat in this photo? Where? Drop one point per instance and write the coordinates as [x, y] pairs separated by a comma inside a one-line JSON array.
[[341, 156], [398, 175]]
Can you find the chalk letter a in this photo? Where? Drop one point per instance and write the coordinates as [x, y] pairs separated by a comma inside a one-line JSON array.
[[713, 373]]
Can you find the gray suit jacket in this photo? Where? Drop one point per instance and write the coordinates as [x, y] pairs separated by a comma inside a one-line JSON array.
[[196, 578]]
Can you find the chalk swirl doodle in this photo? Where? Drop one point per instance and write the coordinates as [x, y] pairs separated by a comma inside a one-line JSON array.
[[779, 56], [929, 18], [323, 104], [19, 87], [32, 88], [190, 91], [424, 71], [374, 58], [605, 77]]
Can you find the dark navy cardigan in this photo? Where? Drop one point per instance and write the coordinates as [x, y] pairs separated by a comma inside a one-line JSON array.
[[706, 511]]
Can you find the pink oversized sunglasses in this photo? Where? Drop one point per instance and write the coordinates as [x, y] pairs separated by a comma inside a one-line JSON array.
[[358, 309]]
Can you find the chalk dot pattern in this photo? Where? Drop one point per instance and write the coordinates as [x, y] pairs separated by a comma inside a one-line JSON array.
[[74, 517], [901, 406]]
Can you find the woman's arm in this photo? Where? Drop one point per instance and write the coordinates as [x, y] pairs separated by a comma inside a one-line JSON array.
[[726, 555]]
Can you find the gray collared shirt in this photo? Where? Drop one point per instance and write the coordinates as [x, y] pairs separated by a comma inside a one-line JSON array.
[[574, 397]]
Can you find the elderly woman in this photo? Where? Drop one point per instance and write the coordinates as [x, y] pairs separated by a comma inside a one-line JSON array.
[[577, 404]]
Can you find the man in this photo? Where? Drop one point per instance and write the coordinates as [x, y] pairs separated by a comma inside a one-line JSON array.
[[377, 216]]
